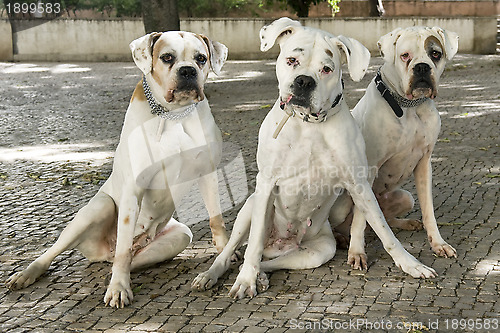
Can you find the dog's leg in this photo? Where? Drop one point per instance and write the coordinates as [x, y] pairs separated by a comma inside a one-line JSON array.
[[423, 181], [310, 254], [100, 210], [396, 203], [356, 256], [239, 234], [119, 292], [168, 243], [209, 188], [365, 201], [246, 282]]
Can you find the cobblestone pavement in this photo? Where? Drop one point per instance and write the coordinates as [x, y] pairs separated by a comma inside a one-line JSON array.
[[60, 125]]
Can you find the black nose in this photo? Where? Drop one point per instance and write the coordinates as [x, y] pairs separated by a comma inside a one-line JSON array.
[[304, 83], [421, 69], [187, 72]]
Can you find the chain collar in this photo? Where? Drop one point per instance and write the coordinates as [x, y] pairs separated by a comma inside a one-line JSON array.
[[161, 111], [395, 100]]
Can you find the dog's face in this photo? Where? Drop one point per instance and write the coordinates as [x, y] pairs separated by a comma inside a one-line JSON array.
[[308, 67], [176, 64], [417, 56]]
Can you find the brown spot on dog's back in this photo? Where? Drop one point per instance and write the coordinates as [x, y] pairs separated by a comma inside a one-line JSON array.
[[126, 220], [138, 93]]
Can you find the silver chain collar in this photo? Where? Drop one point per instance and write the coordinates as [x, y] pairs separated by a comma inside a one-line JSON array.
[[407, 103], [160, 110]]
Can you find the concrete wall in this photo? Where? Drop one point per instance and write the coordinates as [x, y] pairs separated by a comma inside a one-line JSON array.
[[107, 40]]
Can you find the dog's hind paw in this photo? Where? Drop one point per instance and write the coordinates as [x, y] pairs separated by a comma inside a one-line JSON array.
[[262, 282], [406, 224], [204, 281]]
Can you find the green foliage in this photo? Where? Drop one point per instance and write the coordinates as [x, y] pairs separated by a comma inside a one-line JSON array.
[[334, 4]]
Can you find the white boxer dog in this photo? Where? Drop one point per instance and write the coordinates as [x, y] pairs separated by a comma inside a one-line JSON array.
[[400, 124], [169, 140], [309, 149]]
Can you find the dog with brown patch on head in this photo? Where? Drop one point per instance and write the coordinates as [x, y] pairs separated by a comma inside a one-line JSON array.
[[400, 125], [169, 141]]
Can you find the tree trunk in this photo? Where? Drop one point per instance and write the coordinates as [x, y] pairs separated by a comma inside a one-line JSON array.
[[376, 8], [160, 15], [301, 7]]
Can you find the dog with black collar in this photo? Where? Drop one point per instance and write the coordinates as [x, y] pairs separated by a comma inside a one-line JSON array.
[[400, 125], [309, 149]]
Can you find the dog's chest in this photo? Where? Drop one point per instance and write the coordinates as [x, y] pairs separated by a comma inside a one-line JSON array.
[[306, 175], [172, 152], [416, 138]]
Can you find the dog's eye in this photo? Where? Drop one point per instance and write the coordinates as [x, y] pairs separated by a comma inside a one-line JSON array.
[[326, 70], [292, 61], [167, 58], [405, 56], [436, 55], [201, 59]]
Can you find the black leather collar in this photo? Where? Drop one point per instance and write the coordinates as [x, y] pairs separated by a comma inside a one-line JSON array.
[[386, 94], [394, 100]]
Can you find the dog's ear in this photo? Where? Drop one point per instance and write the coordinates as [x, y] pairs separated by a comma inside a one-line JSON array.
[[449, 41], [218, 54], [142, 51], [387, 45], [354, 54], [276, 32]]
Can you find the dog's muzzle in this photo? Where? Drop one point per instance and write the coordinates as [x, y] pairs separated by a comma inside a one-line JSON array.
[[302, 88], [422, 84], [187, 77]]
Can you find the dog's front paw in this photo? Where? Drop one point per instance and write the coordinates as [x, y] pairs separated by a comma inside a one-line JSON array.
[[19, 280], [26, 277], [246, 283], [444, 250], [357, 260], [204, 281], [415, 268], [118, 294]]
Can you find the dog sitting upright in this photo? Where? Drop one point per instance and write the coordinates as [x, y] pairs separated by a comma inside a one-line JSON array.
[[309, 149], [169, 140], [400, 125]]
